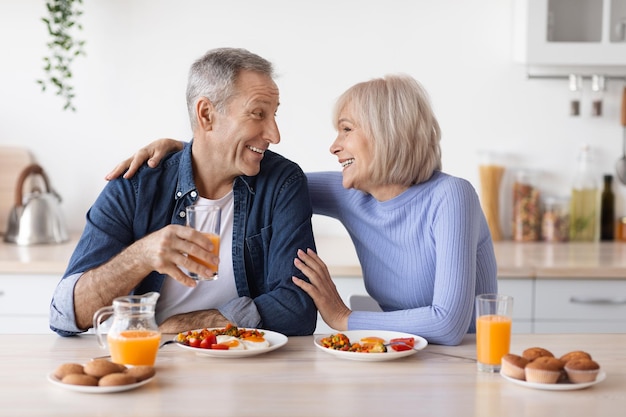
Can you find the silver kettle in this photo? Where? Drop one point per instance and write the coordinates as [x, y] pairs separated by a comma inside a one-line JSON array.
[[35, 218]]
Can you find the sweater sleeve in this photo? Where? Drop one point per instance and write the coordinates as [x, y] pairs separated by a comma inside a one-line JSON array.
[[446, 258]]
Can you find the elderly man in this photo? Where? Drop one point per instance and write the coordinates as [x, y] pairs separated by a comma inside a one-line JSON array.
[[135, 240]]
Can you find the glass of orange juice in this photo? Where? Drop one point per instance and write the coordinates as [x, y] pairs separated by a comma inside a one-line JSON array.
[[206, 219], [493, 330]]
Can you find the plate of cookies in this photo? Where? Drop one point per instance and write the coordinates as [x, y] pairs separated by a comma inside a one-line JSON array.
[[101, 376], [539, 368]]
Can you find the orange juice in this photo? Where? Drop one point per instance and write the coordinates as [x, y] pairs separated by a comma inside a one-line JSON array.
[[493, 338], [215, 239], [134, 347]]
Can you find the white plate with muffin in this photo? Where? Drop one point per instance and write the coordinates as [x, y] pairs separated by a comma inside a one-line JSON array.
[[538, 368], [561, 386]]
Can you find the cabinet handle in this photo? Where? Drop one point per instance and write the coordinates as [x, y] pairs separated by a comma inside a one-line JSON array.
[[598, 300]]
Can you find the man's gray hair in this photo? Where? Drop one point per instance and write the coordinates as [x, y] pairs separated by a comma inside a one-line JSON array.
[[214, 76]]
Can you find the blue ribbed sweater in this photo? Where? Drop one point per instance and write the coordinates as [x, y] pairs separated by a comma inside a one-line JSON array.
[[424, 254]]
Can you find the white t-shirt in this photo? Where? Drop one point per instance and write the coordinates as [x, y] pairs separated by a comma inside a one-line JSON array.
[[177, 298]]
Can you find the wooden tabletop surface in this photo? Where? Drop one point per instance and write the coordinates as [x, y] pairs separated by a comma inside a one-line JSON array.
[[300, 379]]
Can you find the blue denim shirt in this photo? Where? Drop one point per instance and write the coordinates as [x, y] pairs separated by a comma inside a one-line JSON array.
[[272, 220]]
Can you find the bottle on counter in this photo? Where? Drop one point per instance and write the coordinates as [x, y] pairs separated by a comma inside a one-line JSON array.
[[585, 201], [607, 216], [526, 208]]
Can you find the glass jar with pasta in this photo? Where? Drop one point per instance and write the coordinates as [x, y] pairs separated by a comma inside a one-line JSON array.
[[491, 171]]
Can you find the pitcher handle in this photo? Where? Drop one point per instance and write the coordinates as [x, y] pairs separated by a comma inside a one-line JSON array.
[[98, 317]]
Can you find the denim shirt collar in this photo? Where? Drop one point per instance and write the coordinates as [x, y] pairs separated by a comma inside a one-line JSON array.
[[186, 185]]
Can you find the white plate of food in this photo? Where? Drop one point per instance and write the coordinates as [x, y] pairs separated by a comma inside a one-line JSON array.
[[561, 386], [97, 389], [250, 342], [369, 337]]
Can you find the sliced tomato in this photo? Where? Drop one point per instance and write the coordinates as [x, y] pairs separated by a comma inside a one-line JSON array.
[[219, 346], [402, 343], [211, 338], [206, 343], [194, 342]]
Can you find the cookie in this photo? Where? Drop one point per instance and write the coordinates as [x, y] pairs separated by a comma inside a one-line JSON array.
[[102, 367], [141, 373], [68, 368], [80, 379], [116, 378]]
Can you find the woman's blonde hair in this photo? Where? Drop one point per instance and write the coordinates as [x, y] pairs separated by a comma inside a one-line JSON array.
[[396, 116]]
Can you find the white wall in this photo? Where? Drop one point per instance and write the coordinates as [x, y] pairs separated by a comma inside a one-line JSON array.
[[130, 87]]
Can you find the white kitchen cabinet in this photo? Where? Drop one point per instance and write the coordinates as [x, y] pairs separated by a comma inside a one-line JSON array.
[[571, 33], [346, 286], [580, 306], [522, 291], [25, 302]]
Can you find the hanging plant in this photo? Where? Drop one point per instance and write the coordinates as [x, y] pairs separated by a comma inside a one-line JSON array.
[[62, 22]]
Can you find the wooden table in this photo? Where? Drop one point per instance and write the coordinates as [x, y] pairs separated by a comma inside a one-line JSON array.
[[300, 380]]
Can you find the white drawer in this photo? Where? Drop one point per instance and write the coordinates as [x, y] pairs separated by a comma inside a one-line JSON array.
[[27, 295], [579, 326], [522, 292], [522, 326], [583, 300]]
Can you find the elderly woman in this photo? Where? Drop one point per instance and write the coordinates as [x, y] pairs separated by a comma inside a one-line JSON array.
[[420, 234]]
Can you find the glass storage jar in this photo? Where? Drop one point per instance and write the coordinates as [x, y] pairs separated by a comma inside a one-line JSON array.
[[526, 208], [555, 220]]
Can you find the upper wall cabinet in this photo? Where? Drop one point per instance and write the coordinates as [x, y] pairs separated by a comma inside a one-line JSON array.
[[571, 33]]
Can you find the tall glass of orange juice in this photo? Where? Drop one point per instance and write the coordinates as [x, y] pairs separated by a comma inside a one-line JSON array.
[[206, 219], [493, 330]]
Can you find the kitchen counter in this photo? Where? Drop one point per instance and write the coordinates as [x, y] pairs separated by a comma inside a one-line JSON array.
[[606, 260], [49, 259], [299, 379]]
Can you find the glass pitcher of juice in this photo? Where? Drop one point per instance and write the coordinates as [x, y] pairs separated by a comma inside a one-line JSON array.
[[133, 336]]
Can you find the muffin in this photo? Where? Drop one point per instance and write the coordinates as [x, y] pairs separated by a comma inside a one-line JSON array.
[[576, 354], [544, 370], [533, 353], [582, 370], [513, 366]]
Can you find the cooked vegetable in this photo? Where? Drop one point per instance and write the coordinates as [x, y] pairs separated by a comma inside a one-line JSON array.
[[207, 339], [402, 343]]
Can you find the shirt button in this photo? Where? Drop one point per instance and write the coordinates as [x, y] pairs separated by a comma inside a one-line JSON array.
[[194, 194], [182, 214], [178, 194]]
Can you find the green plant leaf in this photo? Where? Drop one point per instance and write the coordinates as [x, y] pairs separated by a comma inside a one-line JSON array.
[[62, 25]]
